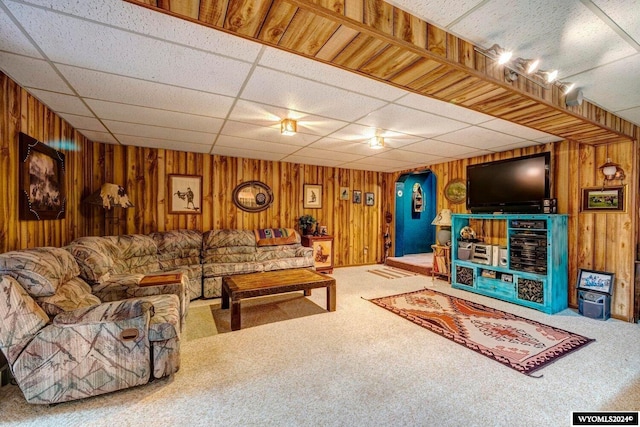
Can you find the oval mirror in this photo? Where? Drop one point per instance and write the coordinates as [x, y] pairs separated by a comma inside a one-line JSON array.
[[252, 196]]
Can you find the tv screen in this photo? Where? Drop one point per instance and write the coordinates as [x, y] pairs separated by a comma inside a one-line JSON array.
[[515, 185]]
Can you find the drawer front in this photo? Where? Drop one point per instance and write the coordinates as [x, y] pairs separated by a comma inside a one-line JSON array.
[[495, 287]]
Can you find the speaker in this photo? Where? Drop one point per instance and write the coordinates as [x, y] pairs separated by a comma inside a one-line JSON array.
[[464, 250], [495, 256], [502, 261], [549, 206], [594, 305], [574, 98]]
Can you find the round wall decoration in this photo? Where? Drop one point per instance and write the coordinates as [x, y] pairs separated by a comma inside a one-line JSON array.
[[456, 191], [252, 196]]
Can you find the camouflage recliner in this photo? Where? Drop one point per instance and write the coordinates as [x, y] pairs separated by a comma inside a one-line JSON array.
[[62, 343]]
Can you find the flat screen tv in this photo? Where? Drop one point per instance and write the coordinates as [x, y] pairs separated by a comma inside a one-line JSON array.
[[515, 185]]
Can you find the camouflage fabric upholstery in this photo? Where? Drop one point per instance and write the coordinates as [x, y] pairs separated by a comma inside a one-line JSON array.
[[114, 266], [229, 252], [179, 250], [88, 351]]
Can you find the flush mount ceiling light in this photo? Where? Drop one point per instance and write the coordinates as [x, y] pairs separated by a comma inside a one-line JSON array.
[[376, 142], [288, 127]]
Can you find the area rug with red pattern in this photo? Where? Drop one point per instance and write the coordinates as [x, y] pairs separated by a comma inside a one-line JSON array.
[[522, 344]]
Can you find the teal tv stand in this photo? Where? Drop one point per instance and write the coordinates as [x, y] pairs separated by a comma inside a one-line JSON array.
[[529, 267]]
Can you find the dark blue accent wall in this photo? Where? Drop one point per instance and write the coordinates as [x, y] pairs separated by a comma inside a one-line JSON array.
[[414, 232]]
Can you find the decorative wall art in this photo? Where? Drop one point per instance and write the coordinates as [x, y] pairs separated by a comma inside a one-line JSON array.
[[42, 191], [607, 199], [312, 196], [369, 199], [599, 281], [252, 196], [456, 191], [185, 194], [344, 193], [357, 196]]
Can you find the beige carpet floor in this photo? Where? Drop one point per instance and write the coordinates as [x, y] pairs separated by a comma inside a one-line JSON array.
[[294, 364]]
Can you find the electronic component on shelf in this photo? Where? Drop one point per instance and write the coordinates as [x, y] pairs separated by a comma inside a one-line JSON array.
[[532, 224], [482, 254]]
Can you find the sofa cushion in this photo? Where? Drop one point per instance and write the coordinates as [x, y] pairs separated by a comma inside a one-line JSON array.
[[231, 268], [227, 238], [40, 271], [76, 293], [276, 236], [178, 247], [20, 316], [267, 253]]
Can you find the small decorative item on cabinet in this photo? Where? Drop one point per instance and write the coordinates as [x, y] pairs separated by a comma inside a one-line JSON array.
[[306, 223], [322, 252], [441, 262]]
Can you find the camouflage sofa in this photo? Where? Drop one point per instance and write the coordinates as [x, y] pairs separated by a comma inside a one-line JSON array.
[[229, 252], [62, 343], [115, 265]]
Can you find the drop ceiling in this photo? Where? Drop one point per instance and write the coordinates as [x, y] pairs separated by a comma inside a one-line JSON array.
[[124, 74]]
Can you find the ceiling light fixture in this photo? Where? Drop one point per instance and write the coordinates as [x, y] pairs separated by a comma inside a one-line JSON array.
[[288, 127], [376, 142], [530, 66], [611, 171], [566, 87], [550, 76]]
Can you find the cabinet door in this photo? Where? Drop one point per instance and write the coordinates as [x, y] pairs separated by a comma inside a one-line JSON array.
[[530, 289], [323, 253]]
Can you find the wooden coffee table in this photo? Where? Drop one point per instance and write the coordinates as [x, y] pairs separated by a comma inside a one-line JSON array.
[[241, 286]]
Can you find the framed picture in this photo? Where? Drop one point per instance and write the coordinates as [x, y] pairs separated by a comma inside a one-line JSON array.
[[456, 191], [369, 199], [312, 196], [592, 280], [42, 191], [607, 199], [185, 194], [357, 196], [344, 193]]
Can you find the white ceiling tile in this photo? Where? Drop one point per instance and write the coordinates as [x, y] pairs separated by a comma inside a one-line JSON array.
[[153, 116], [12, 39], [615, 85], [252, 144], [109, 87], [269, 115], [313, 161], [159, 25], [83, 122], [365, 164], [61, 103], [247, 154], [548, 139], [407, 156], [514, 129], [276, 88], [104, 137], [565, 35], [383, 162], [339, 157], [410, 121], [508, 147], [438, 148], [470, 154], [32, 73], [622, 13], [442, 108], [341, 146], [328, 74], [152, 132], [141, 141], [479, 138], [262, 133], [144, 57]]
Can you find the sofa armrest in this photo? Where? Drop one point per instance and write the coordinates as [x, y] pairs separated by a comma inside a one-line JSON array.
[[304, 251], [104, 313]]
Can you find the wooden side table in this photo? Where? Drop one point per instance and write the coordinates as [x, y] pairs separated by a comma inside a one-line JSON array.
[[441, 262], [322, 252]]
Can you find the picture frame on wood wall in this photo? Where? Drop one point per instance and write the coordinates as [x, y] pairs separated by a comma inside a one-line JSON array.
[[357, 196], [344, 193], [312, 196], [41, 180], [185, 194], [604, 199], [369, 199]]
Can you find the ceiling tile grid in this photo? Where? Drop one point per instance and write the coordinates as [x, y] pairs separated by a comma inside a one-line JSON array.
[[121, 73]]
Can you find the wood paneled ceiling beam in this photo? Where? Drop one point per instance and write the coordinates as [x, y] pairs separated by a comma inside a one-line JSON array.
[[380, 41]]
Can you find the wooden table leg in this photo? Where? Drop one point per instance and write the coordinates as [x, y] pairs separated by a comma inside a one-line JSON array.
[[235, 315], [307, 292], [225, 297], [331, 297]]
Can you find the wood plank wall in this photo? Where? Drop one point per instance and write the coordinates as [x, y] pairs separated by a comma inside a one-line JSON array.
[[143, 172], [598, 241]]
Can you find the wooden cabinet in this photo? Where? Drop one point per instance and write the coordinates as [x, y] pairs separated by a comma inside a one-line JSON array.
[[525, 265], [322, 252], [441, 262]]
